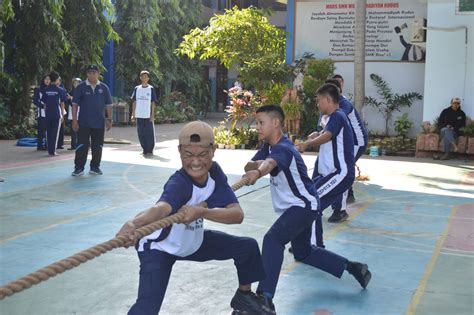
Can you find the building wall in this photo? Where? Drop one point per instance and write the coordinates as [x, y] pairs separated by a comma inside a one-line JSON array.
[[450, 59], [403, 77]]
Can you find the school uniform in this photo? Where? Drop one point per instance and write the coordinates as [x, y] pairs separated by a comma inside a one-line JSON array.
[[361, 140], [159, 250], [60, 142], [69, 121], [360, 133], [334, 171], [92, 103], [295, 200], [52, 97], [143, 96], [41, 118]]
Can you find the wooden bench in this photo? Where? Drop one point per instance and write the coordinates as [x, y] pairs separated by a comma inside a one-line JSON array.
[[429, 144]]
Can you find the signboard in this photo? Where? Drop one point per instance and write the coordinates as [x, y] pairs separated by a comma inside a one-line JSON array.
[[394, 30]]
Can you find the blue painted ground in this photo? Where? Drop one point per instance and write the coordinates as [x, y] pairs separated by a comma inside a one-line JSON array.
[[395, 227]]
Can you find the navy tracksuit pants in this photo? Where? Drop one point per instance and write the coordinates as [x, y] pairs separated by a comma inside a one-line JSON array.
[[89, 137], [52, 133], [336, 195], [41, 143], [341, 205], [146, 134], [294, 226], [156, 266]]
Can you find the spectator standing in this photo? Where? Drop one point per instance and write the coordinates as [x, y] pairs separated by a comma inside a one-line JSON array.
[[94, 99], [53, 99], [60, 145], [75, 82], [41, 136], [143, 111]]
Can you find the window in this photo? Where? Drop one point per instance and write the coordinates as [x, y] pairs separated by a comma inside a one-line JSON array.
[[464, 6]]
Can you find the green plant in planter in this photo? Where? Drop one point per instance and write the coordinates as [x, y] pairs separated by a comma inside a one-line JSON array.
[[292, 110], [403, 125], [390, 102], [468, 131]]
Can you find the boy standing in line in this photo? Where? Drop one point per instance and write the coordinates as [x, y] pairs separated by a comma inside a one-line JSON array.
[[295, 199], [334, 171], [361, 135], [144, 102], [53, 99]]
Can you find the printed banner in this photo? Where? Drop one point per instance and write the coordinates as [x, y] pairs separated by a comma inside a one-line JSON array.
[[394, 30]]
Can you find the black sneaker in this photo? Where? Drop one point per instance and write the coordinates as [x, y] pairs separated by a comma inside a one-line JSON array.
[[95, 171], [350, 199], [246, 304], [78, 172], [266, 304], [360, 271], [338, 216]]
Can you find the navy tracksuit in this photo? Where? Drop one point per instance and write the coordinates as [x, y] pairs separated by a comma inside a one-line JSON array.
[[156, 266], [146, 134], [41, 136], [52, 97]]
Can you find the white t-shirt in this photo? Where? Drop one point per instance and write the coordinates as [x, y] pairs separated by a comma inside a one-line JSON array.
[[143, 96], [184, 239]]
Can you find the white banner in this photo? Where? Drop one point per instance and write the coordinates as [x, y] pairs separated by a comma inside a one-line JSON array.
[[393, 30]]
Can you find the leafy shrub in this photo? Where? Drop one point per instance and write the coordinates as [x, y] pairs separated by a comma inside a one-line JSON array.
[[403, 125]]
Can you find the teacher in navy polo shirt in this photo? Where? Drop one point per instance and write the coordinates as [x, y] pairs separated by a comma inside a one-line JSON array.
[[95, 115]]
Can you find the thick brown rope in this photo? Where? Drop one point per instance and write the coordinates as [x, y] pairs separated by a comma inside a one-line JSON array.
[[89, 254]]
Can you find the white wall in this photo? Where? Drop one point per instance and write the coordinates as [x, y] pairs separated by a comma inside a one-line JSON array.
[[402, 77], [449, 61]]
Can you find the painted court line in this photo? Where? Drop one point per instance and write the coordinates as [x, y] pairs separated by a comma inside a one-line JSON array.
[[443, 252], [429, 268], [48, 227]]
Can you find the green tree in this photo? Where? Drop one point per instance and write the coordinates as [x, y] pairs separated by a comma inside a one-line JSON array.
[[241, 38], [6, 14], [138, 25], [36, 39], [179, 72], [35, 43], [85, 25], [390, 102], [315, 72]]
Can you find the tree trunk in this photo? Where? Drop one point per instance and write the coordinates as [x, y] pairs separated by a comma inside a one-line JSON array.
[[359, 55]]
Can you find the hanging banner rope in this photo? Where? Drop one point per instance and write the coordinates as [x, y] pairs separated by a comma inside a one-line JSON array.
[[75, 260]]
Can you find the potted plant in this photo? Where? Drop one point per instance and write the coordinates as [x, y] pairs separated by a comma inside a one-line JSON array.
[[466, 141], [292, 108], [390, 101]]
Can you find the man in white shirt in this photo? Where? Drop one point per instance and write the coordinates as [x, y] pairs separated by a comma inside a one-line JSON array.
[[144, 101]]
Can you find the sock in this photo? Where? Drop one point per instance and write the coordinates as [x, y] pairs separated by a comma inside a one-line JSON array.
[[245, 292], [268, 295], [349, 266]]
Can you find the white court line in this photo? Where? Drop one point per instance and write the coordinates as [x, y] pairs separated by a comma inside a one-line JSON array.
[[412, 213], [48, 227], [125, 178], [408, 249]]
